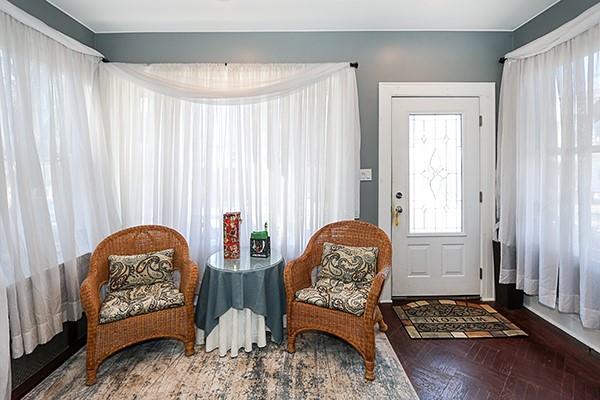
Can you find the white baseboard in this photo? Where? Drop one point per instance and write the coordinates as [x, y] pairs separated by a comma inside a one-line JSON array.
[[568, 323], [385, 301]]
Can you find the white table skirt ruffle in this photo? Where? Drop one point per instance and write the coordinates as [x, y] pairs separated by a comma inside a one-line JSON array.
[[237, 329]]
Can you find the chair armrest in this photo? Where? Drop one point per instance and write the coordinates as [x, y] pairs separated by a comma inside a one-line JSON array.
[[296, 274], [374, 293], [189, 281], [90, 297]]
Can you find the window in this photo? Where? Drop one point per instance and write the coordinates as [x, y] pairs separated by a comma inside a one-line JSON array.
[[435, 173]]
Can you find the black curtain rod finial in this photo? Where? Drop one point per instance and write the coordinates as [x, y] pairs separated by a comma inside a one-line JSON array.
[[502, 60], [105, 60]]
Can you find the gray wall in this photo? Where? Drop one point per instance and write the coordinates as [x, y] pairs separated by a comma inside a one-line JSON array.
[[56, 19], [551, 19], [382, 56]]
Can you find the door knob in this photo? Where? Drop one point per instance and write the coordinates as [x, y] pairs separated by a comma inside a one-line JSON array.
[[397, 211]]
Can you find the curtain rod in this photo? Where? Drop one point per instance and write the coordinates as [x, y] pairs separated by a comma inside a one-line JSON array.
[[352, 64], [502, 60]]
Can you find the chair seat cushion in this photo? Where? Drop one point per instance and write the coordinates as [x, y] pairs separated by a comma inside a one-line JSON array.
[[337, 295], [143, 299]]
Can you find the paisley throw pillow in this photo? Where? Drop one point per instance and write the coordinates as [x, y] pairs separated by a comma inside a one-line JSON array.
[[127, 272], [348, 264]]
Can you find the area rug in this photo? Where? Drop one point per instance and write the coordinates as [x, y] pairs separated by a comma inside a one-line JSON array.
[[454, 319], [323, 367]]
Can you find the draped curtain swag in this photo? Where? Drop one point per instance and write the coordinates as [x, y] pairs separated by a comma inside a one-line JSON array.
[[291, 159], [549, 168], [224, 83]]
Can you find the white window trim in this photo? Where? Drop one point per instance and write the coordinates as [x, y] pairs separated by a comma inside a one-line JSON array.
[[486, 92]]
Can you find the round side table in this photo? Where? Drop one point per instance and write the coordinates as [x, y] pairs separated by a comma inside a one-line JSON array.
[[239, 301]]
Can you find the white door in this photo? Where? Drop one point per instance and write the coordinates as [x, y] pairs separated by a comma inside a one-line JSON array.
[[435, 184]]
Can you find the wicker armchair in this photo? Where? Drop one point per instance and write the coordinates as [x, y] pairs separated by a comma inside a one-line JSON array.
[[105, 339], [356, 330]]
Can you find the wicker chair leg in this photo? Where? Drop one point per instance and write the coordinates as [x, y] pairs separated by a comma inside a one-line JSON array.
[[90, 360], [382, 325], [190, 348], [90, 376], [291, 343], [369, 370], [369, 354]]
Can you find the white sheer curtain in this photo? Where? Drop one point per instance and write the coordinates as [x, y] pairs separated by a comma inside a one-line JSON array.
[[215, 84], [549, 169], [5, 376], [288, 158], [55, 203]]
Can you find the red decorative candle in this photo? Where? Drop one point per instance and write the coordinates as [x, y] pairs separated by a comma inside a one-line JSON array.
[[231, 235]]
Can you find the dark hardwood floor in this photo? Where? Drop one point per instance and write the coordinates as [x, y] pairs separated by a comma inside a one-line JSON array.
[[547, 365]]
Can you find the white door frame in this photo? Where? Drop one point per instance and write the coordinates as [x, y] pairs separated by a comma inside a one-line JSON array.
[[486, 92]]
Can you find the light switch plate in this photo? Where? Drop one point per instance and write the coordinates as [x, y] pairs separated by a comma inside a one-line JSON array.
[[366, 175]]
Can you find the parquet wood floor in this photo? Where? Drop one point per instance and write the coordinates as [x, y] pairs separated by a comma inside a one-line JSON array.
[[547, 365]]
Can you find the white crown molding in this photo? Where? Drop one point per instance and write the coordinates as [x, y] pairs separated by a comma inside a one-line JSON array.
[[68, 14], [101, 32], [528, 20]]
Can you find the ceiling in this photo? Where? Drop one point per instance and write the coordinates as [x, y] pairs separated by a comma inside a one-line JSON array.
[[301, 15]]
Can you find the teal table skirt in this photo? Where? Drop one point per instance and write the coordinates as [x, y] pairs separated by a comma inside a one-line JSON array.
[[261, 291]]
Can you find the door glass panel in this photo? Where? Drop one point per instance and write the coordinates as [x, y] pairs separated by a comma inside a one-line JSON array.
[[435, 173]]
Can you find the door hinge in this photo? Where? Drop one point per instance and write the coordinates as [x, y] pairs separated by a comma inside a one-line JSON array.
[[480, 273], [480, 120], [481, 197]]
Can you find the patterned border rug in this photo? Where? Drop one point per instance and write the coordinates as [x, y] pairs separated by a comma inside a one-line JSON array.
[[454, 319], [323, 367]]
